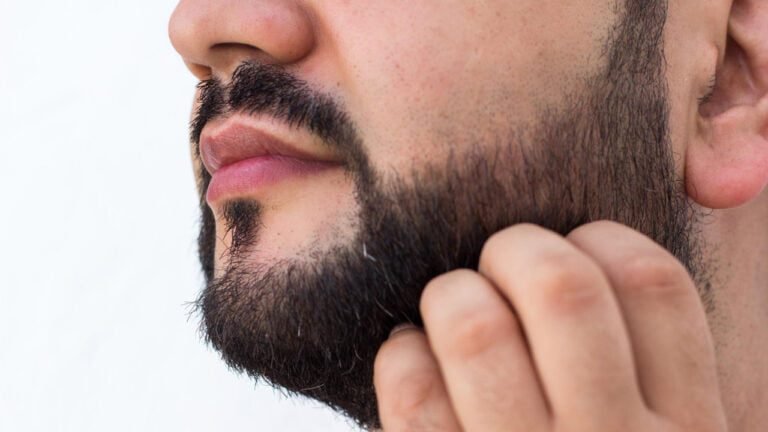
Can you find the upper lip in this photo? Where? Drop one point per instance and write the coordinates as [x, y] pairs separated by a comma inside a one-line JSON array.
[[236, 139]]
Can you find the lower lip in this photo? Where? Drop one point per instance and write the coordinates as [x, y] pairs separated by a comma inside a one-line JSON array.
[[250, 176]]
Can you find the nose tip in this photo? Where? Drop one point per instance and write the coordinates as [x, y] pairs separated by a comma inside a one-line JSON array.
[[214, 37]]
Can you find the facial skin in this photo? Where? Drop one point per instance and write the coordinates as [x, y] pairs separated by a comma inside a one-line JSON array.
[[453, 121]]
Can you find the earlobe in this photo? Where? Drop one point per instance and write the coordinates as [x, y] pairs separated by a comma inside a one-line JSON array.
[[726, 165]]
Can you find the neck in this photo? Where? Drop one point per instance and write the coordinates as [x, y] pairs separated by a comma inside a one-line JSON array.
[[738, 246]]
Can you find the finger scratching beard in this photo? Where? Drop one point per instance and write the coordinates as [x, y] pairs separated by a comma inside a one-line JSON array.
[[313, 326]]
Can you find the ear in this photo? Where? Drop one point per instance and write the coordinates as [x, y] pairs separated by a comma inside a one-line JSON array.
[[727, 164]]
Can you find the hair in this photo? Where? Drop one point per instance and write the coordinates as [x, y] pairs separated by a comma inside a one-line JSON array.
[[313, 327]]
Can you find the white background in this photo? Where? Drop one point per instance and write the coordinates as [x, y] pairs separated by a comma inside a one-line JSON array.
[[97, 227]]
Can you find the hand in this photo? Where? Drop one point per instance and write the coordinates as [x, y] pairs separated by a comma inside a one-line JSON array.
[[602, 330]]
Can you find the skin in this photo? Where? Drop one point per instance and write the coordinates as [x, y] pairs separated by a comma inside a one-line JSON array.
[[604, 330]]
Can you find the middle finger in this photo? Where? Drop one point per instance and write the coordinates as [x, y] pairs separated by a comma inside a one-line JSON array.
[[569, 313]]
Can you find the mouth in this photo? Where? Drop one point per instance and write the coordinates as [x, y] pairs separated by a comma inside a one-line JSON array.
[[245, 156]]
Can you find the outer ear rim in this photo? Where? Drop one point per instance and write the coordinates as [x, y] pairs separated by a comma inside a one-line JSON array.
[[746, 17]]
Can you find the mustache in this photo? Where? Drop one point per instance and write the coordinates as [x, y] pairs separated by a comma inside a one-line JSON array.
[[258, 88], [263, 89]]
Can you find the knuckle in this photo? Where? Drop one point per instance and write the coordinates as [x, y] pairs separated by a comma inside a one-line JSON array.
[[402, 387], [386, 365], [477, 332], [462, 316], [566, 282], [653, 274], [413, 392]]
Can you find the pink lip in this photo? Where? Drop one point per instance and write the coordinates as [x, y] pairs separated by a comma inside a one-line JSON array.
[[243, 159], [253, 174]]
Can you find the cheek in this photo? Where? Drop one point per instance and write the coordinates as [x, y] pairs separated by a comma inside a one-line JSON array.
[[689, 59], [458, 73]]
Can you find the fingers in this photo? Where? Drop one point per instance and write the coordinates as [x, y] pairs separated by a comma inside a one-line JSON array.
[[572, 321], [482, 354], [595, 331], [665, 319], [410, 391]]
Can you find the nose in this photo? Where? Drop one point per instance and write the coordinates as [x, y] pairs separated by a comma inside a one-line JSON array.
[[214, 37]]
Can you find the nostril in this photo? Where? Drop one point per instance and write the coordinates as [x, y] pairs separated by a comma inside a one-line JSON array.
[[225, 57], [213, 38], [200, 72]]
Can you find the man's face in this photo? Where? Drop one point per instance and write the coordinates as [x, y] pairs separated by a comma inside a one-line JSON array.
[[419, 80], [429, 126]]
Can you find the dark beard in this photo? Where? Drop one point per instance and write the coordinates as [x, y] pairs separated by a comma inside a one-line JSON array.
[[314, 327]]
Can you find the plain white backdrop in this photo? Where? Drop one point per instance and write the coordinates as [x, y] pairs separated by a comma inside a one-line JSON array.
[[97, 225]]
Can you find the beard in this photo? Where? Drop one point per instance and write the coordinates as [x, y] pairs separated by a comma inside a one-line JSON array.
[[313, 326]]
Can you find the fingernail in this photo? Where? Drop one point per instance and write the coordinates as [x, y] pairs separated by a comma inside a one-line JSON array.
[[401, 327]]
